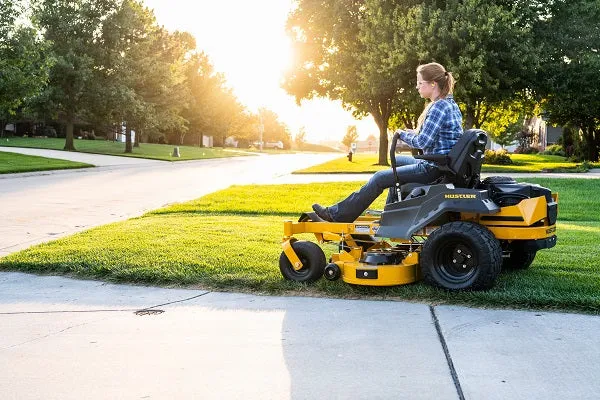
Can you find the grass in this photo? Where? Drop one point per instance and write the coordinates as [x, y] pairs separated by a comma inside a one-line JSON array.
[[365, 163], [14, 163], [146, 150], [231, 240]]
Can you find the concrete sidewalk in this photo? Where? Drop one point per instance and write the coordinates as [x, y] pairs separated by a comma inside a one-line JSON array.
[[72, 339], [64, 338], [99, 160]]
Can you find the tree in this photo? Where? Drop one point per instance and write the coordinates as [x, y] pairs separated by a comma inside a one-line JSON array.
[[487, 45], [203, 84], [23, 62], [570, 38], [300, 138], [343, 50], [274, 130], [71, 27], [146, 77], [365, 53], [350, 137], [505, 121]]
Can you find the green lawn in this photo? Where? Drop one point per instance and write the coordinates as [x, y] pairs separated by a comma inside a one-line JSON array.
[[146, 150], [365, 163], [12, 163], [231, 240]]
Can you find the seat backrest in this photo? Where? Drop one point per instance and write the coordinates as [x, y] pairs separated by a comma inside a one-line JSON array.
[[465, 159]]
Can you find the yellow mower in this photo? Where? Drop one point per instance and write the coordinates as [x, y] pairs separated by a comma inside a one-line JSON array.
[[456, 233]]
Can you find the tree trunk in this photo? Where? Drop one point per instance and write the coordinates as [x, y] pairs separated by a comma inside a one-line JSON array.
[[469, 117], [596, 134], [128, 147], [381, 114], [138, 137], [590, 144], [383, 141], [69, 143], [2, 126], [201, 139]]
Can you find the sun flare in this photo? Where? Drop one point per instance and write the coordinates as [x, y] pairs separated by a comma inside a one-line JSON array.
[[246, 40]]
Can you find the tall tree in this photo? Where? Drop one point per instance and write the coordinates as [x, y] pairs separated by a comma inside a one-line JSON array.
[[350, 137], [23, 62], [72, 29], [274, 130], [342, 51], [207, 89], [146, 81], [488, 45], [570, 38]]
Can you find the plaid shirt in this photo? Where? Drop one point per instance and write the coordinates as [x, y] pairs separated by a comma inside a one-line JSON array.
[[440, 130]]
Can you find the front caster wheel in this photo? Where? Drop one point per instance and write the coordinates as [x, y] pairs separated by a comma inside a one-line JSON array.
[[313, 263], [461, 255], [332, 272]]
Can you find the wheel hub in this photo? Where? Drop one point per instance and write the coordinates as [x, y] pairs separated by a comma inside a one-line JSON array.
[[460, 262]]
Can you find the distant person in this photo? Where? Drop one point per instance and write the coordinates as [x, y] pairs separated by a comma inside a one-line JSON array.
[[439, 127]]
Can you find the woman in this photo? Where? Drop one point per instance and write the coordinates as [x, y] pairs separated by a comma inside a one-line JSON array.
[[438, 129]]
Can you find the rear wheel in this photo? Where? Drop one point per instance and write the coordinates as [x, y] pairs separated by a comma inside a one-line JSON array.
[[313, 263], [461, 255], [519, 257]]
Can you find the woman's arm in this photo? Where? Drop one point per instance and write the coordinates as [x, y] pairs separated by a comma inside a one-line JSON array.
[[430, 128]]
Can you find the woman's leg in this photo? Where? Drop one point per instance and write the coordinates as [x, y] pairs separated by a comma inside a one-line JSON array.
[[353, 206], [400, 161]]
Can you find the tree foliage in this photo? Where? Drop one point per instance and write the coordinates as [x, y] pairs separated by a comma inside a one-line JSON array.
[[570, 77], [72, 29], [488, 45], [366, 52], [343, 51], [350, 137], [116, 69], [23, 62]]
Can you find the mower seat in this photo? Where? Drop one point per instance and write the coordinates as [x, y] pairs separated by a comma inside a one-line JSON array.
[[461, 166]]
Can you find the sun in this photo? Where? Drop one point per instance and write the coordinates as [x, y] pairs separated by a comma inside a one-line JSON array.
[[246, 40]]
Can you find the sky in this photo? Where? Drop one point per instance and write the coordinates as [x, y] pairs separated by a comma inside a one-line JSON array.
[[246, 41]]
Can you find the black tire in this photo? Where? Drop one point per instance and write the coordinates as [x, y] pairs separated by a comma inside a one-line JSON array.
[[519, 257], [313, 263], [498, 179], [461, 255]]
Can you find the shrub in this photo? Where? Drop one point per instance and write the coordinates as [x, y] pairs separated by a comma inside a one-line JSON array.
[[555, 150], [527, 150], [498, 157]]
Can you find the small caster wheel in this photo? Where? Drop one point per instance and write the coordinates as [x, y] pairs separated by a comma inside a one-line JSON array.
[[332, 272]]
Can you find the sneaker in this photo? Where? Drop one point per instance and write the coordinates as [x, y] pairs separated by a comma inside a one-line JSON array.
[[322, 212]]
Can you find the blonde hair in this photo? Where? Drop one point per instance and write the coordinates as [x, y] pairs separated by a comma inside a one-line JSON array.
[[434, 72]]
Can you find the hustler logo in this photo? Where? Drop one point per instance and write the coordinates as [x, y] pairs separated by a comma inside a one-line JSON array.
[[460, 196]]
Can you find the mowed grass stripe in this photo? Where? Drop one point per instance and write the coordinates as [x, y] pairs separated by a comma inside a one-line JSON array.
[[203, 244], [16, 163]]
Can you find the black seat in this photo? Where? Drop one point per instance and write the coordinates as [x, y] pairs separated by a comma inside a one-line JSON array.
[[461, 166]]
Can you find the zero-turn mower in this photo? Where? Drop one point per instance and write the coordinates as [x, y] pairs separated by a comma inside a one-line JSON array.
[[456, 233]]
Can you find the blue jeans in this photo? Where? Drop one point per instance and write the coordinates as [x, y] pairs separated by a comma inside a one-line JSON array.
[[409, 170]]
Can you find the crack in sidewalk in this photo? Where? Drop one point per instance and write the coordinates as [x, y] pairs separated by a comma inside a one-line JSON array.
[[453, 373], [138, 311]]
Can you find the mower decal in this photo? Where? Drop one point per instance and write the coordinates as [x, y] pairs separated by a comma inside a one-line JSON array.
[[362, 228], [460, 196]]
